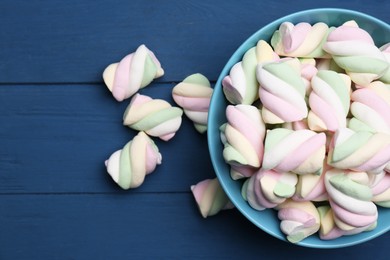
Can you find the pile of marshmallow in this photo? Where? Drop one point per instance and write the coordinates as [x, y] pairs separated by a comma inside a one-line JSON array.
[[308, 128], [156, 118]]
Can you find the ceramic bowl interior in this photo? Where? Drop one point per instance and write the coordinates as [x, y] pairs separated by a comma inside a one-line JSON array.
[[267, 220]]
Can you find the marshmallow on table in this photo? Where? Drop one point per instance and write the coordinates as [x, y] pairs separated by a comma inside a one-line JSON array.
[[193, 95], [350, 198], [156, 117], [329, 101], [210, 197], [282, 91], [129, 165], [267, 188], [133, 72], [370, 108], [300, 151], [300, 40], [243, 137], [298, 219], [354, 50], [359, 151], [241, 86]]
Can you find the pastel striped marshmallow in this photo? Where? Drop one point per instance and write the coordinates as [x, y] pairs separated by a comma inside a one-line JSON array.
[[385, 49], [298, 219], [350, 198], [381, 191], [267, 188], [370, 108], [329, 101], [282, 91], [241, 86], [134, 71], [243, 137], [328, 228], [300, 151], [300, 40], [354, 50], [156, 117], [311, 187], [308, 71], [359, 151], [210, 197], [129, 165], [193, 95]]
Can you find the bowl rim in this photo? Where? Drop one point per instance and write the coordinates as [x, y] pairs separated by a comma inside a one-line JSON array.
[[237, 56]]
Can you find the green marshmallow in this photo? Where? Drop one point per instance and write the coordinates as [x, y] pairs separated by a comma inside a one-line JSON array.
[[232, 155], [150, 70], [284, 190], [385, 204], [336, 82], [296, 237], [353, 143], [288, 74], [157, 118], [125, 173], [274, 137], [197, 79], [249, 64], [354, 64], [357, 125], [219, 202], [350, 187]]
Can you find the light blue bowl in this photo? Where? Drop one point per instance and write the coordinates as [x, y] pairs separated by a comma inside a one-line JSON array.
[[267, 220]]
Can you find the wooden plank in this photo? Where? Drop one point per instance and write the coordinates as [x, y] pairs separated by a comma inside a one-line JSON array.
[[56, 138], [135, 226], [74, 42]]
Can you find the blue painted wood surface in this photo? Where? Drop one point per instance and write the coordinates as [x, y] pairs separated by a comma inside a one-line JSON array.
[[58, 123]]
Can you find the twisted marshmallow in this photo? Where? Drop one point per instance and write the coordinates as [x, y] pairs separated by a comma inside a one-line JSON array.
[[298, 219], [210, 197], [193, 95], [243, 137], [300, 151], [154, 116], [128, 166], [282, 91], [385, 49], [296, 125], [267, 189], [240, 86], [308, 71], [350, 199], [311, 187], [329, 101], [300, 40], [133, 72], [329, 229], [370, 108], [353, 49], [381, 191], [359, 151]]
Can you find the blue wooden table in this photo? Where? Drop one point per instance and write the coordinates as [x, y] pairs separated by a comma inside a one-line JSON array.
[[58, 123]]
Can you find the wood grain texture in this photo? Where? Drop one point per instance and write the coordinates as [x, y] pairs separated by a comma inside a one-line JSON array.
[[139, 226], [74, 42], [56, 139]]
